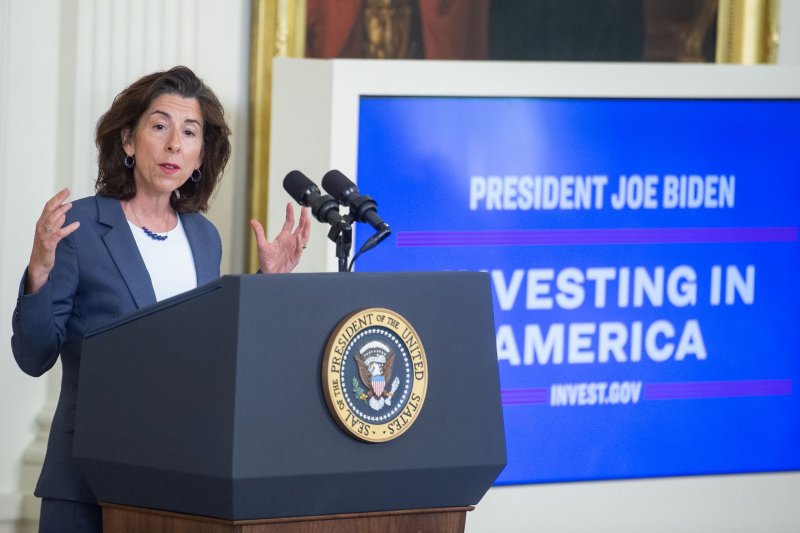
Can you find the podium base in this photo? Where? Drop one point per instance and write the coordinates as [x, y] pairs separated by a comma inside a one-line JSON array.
[[125, 519]]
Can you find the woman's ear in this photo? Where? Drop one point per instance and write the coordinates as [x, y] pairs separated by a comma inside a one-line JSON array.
[[127, 141]]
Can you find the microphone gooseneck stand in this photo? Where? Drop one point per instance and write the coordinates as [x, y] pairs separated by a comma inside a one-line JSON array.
[[342, 234]]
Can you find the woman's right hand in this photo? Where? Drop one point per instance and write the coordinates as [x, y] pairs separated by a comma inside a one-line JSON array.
[[50, 230]]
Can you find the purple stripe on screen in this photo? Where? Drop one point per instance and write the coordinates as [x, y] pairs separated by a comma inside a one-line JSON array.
[[524, 396], [717, 389], [561, 237]]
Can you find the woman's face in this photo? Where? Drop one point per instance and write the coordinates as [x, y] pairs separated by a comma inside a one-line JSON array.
[[167, 144]]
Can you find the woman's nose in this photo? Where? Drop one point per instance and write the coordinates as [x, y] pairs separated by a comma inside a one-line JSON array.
[[174, 142]]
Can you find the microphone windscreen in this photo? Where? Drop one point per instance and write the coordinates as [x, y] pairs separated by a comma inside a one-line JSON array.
[[298, 186], [337, 183]]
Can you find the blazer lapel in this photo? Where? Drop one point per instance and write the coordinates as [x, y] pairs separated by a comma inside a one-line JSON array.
[[124, 251], [203, 260]]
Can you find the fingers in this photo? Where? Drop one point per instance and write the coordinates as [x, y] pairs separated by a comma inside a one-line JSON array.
[[58, 199], [53, 222], [50, 236], [54, 215], [258, 231], [304, 228], [66, 230], [50, 230], [288, 224]]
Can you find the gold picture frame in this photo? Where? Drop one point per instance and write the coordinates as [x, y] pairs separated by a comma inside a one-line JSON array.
[[747, 31], [277, 30]]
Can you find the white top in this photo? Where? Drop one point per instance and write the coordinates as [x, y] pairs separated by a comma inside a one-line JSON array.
[[170, 262]]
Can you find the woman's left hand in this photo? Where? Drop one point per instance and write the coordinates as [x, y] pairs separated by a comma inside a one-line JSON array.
[[282, 254]]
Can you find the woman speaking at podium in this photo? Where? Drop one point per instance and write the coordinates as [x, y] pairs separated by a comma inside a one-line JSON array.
[[162, 147]]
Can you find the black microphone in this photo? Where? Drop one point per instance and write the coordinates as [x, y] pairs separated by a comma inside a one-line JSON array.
[[362, 207], [323, 207]]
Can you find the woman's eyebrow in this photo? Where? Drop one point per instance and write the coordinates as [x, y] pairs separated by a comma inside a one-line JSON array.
[[167, 115]]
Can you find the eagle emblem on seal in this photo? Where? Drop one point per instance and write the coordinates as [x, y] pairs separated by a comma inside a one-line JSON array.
[[375, 361]]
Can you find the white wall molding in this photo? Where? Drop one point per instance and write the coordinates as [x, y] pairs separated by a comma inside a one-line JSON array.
[[10, 510], [28, 154]]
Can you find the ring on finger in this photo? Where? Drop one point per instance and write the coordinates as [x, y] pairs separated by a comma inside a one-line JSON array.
[[48, 228]]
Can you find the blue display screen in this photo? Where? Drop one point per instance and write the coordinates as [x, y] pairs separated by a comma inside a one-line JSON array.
[[644, 260]]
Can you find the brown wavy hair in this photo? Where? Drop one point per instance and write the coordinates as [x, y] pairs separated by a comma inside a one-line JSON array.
[[115, 180]]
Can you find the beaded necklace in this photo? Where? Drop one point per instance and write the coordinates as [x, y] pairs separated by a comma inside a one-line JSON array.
[[145, 229]]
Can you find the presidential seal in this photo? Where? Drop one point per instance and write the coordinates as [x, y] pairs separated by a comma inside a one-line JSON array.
[[374, 375]]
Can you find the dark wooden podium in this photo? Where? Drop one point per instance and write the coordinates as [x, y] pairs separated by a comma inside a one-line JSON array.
[[206, 413]]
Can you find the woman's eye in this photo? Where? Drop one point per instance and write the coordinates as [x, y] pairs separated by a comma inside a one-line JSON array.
[[159, 127], [189, 133]]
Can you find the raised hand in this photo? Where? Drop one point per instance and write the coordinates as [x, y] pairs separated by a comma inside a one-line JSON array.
[[50, 230], [283, 253]]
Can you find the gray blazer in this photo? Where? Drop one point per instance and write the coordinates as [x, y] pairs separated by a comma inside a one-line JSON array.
[[99, 276]]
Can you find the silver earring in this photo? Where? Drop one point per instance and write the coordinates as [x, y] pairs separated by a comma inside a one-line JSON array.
[[196, 176], [129, 161]]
